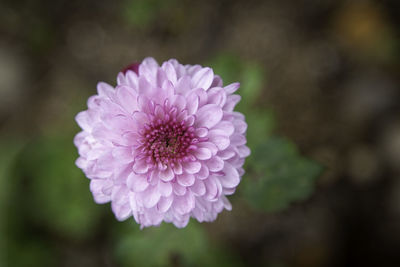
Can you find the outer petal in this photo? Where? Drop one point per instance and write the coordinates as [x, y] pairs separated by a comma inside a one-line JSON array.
[[208, 116]]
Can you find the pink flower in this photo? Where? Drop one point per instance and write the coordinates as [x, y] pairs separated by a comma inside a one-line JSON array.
[[164, 144]]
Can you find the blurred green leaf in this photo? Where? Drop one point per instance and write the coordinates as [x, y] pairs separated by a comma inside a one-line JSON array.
[[252, 82], [281, 175], [10, 147], [169, 246], [260, 127], [232, 68], [29, 253], [58, 193], [228, 66], [142, 12]]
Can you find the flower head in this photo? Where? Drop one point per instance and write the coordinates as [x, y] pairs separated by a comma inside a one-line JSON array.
[[164, 144]]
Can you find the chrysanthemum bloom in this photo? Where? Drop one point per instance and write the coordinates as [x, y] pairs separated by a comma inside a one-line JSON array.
[[164, 144]]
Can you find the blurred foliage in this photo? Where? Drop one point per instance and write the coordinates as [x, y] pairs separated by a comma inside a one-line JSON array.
[[9, 150], [51, 194], [168, 246], [278, 174], [58, 187], [260, 119], [141, 13]]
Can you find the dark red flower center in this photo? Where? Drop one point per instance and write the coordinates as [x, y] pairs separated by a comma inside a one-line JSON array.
[[168, 142]]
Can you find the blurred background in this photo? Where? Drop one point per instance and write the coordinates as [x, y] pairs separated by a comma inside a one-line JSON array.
[[320, 90]]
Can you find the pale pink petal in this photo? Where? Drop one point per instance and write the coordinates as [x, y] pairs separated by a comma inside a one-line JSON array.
[[231, 88], [215, 164], [208, 116], [203, 78], [186, 179], [231, 178], [165, 203], [137, 183], [191, 167], [178, 189], [202, 153], [184, 204], [167, 174], [150, 196], [164, 188], [198, 188]]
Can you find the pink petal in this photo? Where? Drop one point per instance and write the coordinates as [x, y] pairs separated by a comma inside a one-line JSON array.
[[140, 166], [243, 151], [178, 189], [105, 90], [132, 201], [161, 77], [208, 116], [191, 167], [137, 183], [203, 78], [83, 121], [231, 178], [211, 189], [224, 128], [201, 95], [201, 132], [198, 188], [227, 204], [210, 146], [183, 85], [145, 88], [167, 174], [238, 140], [150, 197], [231, 88], [123, 154], [164, 204], [164, 188], [231, 102], [217, 96], [202, 153], [127, 100], [192, 69], [215, 164], [203, 173], [140, 118], [194, 101], [184, 204], [221, 141], [227, 153], [179, 102], [240, 126], [96, 186], [122, 212], [170, 72], [148, 68], [186, 179], [217, 81], [177, 168]]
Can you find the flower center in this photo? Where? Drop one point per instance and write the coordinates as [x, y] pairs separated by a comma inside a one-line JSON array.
[[168, 142]]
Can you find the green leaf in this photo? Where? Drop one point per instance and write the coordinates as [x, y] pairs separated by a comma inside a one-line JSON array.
[[56, 190], [232, 68], [276, 174], [141, 13], [279, 175], [10, 147], [169, 246]]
